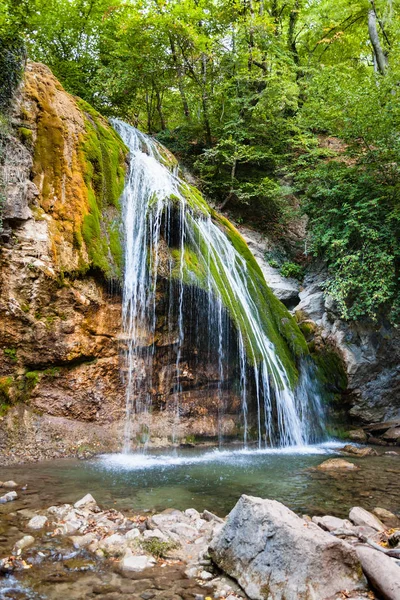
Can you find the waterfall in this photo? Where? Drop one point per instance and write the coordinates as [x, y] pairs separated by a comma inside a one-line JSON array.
[[171, 233]]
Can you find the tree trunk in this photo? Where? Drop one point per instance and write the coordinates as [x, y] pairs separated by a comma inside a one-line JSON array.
[[180, 74], [293, 18], [380, 60], [204, 100]]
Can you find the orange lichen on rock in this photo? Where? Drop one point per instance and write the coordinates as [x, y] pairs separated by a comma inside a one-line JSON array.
[[74, 184]]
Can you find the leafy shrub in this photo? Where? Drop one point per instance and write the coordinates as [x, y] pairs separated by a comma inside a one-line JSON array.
[[290, 269]]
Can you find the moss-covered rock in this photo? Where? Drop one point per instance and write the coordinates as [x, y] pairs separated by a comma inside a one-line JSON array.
[[79, 169]]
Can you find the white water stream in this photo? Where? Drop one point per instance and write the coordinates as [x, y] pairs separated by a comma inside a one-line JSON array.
[[152, 192]]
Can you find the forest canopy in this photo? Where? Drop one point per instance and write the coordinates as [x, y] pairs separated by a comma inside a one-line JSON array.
[[277, 106]]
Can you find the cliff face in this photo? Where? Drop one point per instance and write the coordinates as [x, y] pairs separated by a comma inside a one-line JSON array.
[[61, 382]]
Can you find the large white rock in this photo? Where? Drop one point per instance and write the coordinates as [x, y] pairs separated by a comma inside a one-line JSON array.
[[37, 522], [130, 562], [360, 516], [274, 554], [23, 543], [9, 497], [382, 572], [86, 502]]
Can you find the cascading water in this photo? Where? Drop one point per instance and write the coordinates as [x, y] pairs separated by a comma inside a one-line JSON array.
[[158, 205]]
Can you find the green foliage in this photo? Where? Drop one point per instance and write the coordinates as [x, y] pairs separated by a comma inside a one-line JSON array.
[[253, 96], [290, 269], [355, 221]]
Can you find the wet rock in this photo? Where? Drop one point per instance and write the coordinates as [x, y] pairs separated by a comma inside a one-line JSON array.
[[9, 484], [9, 497], [391, 453], [37, 522], [192, 513], [86, 502], [59, 511], [81, 541], [24, 542], [349, 449], [329, 523], [360, 516], [335, 464], [381, 571], [358, 435], [387, 517], [273, 553], [130, 562]]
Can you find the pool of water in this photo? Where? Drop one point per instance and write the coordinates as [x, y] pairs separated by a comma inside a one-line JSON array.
[[213, 479]]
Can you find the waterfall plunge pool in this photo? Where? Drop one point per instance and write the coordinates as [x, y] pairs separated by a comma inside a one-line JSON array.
[[213, 479]]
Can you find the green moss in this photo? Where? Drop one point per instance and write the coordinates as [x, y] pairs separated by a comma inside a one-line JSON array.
[[32, 378], [103, 161], [11, 353], [25, 135], [157, 547], [280, 327]]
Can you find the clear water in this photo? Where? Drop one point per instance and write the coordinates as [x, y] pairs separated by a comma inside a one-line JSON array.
[[213, 479]]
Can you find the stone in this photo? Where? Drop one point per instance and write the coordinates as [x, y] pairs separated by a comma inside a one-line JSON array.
[[209, 516], [361, 452], [37, 522], [9, 497], [381, 571], [358, 435], [81, 541], [329, 523], [24, 542], [60, 511], [360, 516], [206, 576], [275, 554], [387, 517], [154, 533], [86, 502], [392, 435], [192, 513], [132, 534], [131, 562], [114, 544], [333, 464], [9, 484]]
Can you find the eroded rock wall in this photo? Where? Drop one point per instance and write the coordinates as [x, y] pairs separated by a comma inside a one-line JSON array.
[[62, 372]]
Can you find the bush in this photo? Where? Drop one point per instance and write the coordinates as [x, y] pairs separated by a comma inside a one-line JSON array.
[[290, 269]]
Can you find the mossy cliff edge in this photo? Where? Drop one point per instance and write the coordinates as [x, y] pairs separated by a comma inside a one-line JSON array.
[[79, 171]]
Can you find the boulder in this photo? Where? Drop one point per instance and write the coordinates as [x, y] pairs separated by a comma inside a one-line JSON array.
[[365, 451], [86, 502], [114, 544], [392, 435], [333, 464], [37, 522], [387, 517], [130, 562], [358, 435], [275, 554], [382, 572], [360, 516], [81, 541], [329, 523]]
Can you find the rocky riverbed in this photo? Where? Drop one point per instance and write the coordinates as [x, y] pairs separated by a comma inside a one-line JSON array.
[[261, 550]]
